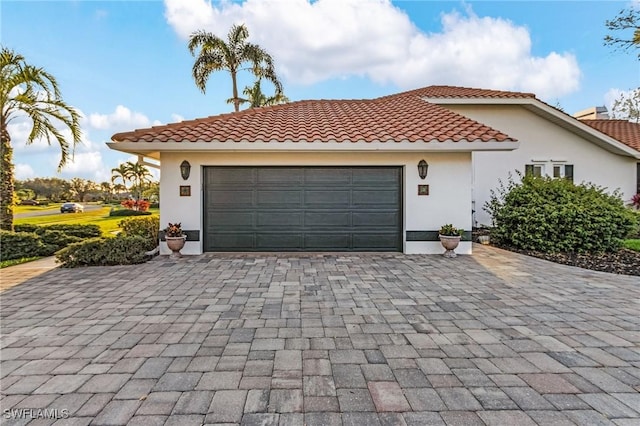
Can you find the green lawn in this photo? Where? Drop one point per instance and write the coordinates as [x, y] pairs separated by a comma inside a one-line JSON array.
[[12, 262], [100, 217], [632, 244], [26, 209]]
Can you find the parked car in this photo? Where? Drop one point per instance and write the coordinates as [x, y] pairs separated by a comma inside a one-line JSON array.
[[71, 208], [29, 203]]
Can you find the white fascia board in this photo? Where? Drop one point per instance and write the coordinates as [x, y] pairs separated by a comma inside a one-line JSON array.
[[216, 146], [552, 114]]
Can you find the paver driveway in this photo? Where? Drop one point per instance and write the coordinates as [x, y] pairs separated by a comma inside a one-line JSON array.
[[324, 339]]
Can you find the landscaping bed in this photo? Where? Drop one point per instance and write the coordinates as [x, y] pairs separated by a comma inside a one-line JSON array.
[[624, 261]]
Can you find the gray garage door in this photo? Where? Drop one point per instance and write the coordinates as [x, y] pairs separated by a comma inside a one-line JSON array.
[[302, 209]]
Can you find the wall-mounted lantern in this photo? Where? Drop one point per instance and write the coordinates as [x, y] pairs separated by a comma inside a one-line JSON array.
[[185, 169], [423, 169]]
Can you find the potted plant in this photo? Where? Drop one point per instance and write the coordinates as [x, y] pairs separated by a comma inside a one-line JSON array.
[[175, 239], [450, 238]]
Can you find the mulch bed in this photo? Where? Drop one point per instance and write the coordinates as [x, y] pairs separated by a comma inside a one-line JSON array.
[[624, 262]]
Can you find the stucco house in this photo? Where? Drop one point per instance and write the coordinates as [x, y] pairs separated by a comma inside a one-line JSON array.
[[552, 143], [319, 175], [343, 175]]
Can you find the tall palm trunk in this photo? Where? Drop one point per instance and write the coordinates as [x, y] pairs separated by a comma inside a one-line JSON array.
[[236, 99], [6, 178]]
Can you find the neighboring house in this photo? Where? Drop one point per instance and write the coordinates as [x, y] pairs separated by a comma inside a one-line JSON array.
[[552, 143], [325, 175], [624, 131]]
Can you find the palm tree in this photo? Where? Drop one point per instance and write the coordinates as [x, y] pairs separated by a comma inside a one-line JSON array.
[[139, 174], [255, 98], [31, 92], [216, 55], [121, 172]]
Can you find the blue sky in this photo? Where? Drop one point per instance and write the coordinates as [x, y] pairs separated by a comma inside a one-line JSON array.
[[125, 64]]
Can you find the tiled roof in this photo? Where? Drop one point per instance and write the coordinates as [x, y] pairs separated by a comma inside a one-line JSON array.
[[396, 118], [622, 130], [467, 92]]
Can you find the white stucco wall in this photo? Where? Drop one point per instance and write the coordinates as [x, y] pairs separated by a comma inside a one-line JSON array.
[[449, 180], [541, 139]]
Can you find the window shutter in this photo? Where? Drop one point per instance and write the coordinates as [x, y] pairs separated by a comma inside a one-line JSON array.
[[528, 170], [568, 172], [638, 178]]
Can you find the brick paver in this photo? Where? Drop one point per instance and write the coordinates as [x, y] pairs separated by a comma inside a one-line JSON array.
[[324, 339]]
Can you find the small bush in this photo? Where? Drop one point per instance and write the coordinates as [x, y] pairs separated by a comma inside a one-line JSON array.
[[76, 230], [57, 240], [26, 228], [145, 227], [554, 215], [15, 245], [120, 250], [73, 230], [128, 212]]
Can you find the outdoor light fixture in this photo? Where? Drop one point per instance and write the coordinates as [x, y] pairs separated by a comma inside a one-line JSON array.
[[185, 169], [423, 168]]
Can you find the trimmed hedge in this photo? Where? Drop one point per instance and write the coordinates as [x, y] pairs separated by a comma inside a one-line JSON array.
[[554, 215], [74, 230], [56, 240], [120, 250], [16, 245], [128, 212], [145, 227]]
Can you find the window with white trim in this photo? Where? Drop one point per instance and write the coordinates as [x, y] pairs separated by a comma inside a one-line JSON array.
[[563, 171], [536, 170]]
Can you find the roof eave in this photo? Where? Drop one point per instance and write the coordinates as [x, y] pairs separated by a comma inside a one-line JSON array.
[[552, 114], [149, 148]]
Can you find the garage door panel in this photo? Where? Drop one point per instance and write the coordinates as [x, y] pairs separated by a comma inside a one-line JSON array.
[[270, 241], [283, 175], [230, 175], [280, 218], [320, 176], [327, 218], [378, 175], [371, 219], [326, 197], [231, 198], [375, 241], [282, 197], [229, 241], [302, 208], [327, 241], [375, 197], [235, 218]]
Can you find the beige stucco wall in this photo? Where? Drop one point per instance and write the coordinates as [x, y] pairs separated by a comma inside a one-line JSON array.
[[449, 179], [541, 139]]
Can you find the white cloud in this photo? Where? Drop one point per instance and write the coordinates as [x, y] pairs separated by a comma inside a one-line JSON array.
[[328, 39], [175, 118], [615, 94], [23, 171], [119, 120], [88, 165]]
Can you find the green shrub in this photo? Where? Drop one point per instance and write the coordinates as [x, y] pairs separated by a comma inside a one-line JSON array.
[[15, 245], [76, 230], [73, 230], [128, 212], [57, 239], [26, 227], [145, 227], [554, 215], [120, 250]]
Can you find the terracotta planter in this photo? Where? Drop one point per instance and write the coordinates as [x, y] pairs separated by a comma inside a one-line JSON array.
[[449, 242], [175, 244]]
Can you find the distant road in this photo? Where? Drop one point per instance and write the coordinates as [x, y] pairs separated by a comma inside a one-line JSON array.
[[87, 207]]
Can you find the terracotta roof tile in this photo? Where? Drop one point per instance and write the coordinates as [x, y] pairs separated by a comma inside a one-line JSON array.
[[466, 92], [622, 130], [405, 116]]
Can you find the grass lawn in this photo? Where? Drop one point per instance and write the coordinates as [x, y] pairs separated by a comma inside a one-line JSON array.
[[100, 217], [12, 262], [632, 244], [27, 209]]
